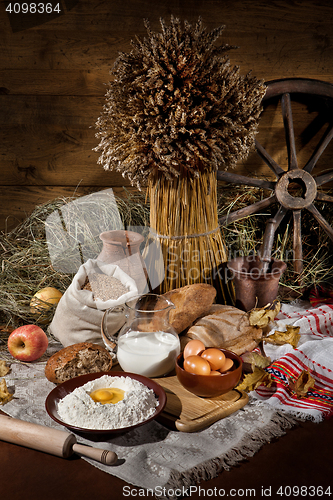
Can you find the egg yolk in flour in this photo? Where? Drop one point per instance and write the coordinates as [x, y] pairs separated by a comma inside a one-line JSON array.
[[107, 395]]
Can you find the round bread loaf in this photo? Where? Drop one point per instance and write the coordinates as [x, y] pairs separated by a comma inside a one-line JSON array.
[[77, 359], [191, 302]]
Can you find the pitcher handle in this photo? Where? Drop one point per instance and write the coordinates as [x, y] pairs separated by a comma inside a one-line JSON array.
[[109, 340]]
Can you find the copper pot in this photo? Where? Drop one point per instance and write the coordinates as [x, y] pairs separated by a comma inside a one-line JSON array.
[[254, 285]]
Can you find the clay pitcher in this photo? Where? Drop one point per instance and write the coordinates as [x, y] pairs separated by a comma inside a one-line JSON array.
[[122, 247]]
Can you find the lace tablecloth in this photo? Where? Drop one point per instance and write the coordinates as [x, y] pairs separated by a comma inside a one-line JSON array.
[[152, 456]]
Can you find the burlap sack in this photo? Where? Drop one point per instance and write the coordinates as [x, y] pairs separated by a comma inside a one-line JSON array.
[[78, 316]]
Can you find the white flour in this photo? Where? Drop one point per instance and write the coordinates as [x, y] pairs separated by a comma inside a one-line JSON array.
[[79, 409]]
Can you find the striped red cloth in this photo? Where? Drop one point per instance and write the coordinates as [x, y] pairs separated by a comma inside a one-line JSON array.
[[314, 354]]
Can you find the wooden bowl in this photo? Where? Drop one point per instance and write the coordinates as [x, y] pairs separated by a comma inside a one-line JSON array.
[[210, 386]]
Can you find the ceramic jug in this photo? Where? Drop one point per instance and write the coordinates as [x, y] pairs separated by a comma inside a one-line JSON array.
[[122, 247]]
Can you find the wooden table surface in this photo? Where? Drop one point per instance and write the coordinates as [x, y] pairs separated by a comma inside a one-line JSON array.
[[302, 457]]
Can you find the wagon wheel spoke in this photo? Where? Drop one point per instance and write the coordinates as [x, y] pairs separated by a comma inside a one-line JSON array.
[[275, 167], [322, 179], [268, 239], [242, 179], [297, 242], [267, 245], [279, 216], [289, 129], [246, 211], [321, 220], [324, 197], [325, 140]]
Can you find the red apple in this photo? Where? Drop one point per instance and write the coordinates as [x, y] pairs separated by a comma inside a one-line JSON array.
[[27, 343]]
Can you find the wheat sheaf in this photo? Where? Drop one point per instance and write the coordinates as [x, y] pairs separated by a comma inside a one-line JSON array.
[[176, 106]]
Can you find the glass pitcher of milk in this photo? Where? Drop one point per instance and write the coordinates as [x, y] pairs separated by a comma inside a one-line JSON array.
[[146, 344]]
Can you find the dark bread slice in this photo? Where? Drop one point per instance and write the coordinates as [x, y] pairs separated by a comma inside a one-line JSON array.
[[77, 359]]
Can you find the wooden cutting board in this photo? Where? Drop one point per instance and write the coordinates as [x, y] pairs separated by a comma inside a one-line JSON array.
[[189, 413]]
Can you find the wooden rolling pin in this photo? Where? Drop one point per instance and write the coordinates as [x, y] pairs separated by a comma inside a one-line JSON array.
[[54, 441]]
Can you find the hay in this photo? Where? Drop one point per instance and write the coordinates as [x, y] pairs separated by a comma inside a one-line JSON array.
[[25, 261]]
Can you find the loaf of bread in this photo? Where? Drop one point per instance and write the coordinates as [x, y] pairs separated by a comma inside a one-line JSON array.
[[77, 359], [191, 301], [226, 327]]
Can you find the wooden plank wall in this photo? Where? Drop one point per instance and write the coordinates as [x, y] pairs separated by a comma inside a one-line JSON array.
[[53, 70]]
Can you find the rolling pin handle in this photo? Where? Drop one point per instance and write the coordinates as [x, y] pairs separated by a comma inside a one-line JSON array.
[[105, 457]]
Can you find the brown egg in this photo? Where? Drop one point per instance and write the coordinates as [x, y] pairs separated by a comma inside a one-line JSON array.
[[193, 348], [215, 372], [215, 357], [196, 365], [228, 364]]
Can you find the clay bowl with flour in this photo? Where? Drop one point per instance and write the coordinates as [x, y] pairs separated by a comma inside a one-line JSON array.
[[62, 390]]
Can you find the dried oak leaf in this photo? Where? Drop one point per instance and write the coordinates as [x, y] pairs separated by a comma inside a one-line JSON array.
[[4, 369], [302, 384], [252, 360], [290, 336], [252, 380], [5, 395], [261, 317]]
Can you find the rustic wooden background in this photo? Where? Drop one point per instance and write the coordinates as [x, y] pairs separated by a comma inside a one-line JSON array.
[[53, 70]]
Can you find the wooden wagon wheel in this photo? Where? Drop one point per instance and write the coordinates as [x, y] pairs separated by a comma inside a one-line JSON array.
[[283, 89]]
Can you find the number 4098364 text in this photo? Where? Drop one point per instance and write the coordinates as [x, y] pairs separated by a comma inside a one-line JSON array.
[[33, 8]]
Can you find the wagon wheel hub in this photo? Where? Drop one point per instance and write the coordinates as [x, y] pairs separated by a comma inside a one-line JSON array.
[[296, 189]]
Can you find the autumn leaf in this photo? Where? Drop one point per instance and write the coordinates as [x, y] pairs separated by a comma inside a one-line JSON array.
[[4, 369], [261, 317], [5, 395], [302, 384], [253, 380], [290, 336], [251, 360]]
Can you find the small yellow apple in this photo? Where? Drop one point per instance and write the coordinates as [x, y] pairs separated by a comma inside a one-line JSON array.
[[43, 301]]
